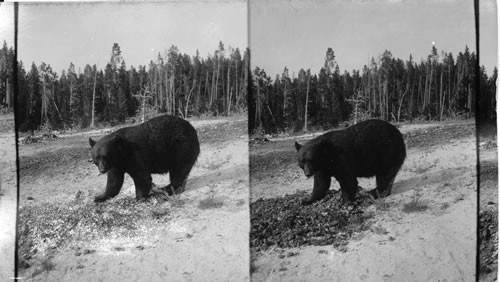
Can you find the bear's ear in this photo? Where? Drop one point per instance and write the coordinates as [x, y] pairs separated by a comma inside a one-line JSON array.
[[297, 145], [91, 142]]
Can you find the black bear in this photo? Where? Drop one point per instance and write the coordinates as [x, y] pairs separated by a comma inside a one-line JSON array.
[[369, 148], [160, 145]]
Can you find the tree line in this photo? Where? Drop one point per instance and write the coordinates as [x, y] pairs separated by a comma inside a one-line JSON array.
[[173, 83], [7, 77], [438, 87]]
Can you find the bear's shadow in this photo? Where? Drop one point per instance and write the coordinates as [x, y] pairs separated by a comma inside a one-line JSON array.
[[211, 178], [441, 177]]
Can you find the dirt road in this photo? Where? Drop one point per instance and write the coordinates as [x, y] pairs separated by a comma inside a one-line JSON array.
[[200, 235], [437, 243]]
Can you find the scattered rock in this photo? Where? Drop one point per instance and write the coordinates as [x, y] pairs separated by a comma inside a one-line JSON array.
[[159, 212], [259, 140], [24, 264], [342, 249], [87, 251], [78, 195]]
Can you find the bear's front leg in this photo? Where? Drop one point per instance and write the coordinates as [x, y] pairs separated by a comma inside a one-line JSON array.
[[322, 182], [113, 185]]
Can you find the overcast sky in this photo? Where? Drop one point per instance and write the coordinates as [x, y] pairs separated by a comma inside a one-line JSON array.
[[488, 35], [84, 33], [283, 33], [297, 34], [7, 24]]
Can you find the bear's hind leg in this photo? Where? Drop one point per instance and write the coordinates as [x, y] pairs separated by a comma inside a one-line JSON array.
[[113, 185], [385, 182], [177, 182], [179, 174], [349, 188], [321, 185], [183, 161]]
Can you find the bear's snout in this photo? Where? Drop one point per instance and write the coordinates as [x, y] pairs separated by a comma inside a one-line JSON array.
[[308, 172], [102, 168]]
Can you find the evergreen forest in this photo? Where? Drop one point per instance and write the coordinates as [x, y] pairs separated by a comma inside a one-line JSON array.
[[174, 83], [442, 86]]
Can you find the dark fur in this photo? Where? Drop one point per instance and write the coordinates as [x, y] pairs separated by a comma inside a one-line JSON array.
[[369, 148], [160, 145]]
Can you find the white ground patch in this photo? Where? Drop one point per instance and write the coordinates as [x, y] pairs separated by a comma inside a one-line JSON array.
[[8, 201]]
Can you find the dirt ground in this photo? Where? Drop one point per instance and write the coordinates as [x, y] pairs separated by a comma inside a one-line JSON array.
[[8, 196], [488, 203], [199, 235], [437, 243]]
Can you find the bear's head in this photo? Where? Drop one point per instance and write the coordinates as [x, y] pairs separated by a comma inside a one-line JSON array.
[[314, 156], [106, 152]]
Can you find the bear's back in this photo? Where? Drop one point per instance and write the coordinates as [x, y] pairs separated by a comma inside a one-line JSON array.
[[159, 138], [163, 130], [370, 146]]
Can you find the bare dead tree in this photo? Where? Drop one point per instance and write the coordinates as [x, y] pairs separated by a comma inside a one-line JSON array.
[[307, 100], [93, 101], [228, 91], [187, 99], [400, 104], [357, 100], [143, 94]]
